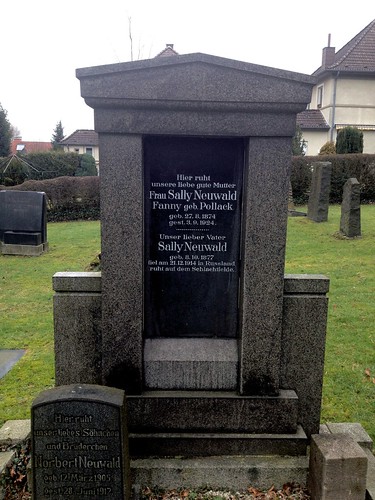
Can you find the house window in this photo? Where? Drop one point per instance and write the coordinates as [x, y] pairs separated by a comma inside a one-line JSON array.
[[319, 97], [76, 150], [89, 151]]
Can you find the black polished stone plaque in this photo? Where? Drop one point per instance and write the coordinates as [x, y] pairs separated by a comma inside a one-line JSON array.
[[79, 444], [192, 204]]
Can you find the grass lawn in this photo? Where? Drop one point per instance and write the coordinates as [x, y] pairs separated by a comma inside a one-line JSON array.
[[349, 382]]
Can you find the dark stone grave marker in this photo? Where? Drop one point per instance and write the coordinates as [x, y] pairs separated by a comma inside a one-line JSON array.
[[23, 222], [350, 222], [317, 208], [79, 443], [192, 194]]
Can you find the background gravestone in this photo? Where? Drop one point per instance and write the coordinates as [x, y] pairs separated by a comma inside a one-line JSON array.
[[350, 222], [317, 208], [79, 443], [23, 222]]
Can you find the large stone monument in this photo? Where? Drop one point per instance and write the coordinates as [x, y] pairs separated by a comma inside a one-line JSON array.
[[219, 353], [350, 221]]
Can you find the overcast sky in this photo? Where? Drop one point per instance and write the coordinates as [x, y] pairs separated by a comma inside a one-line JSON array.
[[43, 42]]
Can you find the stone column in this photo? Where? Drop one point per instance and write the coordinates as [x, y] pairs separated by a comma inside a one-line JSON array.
[[317, 208], [350, 222]]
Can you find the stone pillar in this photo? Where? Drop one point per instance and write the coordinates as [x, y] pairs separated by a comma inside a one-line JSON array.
[[122, 263], [317, 208], [77, 321], [338, 468], [350, 222]]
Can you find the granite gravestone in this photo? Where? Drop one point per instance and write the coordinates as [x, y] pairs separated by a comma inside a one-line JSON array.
[[79, 443], [197, 319], [317, 207], [23, 222], [350, 222]]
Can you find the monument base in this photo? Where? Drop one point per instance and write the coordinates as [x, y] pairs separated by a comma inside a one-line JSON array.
[[26, 250]]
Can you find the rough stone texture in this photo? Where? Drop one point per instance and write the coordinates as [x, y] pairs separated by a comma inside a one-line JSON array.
[[77, 282], [370, 483], [264, 253], [77, 326], [79, 443], [200, 364], [27, 250], [317, 207], [167, 97], [353, 429], [14, 432], [303, 344], [232, 473], [122, 279], [337, 469], [172, 411], [188, 444], [350, 222]]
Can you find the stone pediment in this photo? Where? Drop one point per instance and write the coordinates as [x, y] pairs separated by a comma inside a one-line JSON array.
[[193, 79]]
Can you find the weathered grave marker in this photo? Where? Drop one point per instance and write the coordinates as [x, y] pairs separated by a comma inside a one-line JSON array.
[[317, 208], [350, 222], [79, 443]]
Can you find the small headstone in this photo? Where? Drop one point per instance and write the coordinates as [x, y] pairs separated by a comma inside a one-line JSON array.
[[317, 208], [23, 222], [350, 222], [79, 443]]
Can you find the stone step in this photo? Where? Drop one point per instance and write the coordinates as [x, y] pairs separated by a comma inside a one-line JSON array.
[[204, 411], [229, 473], [215, 444]]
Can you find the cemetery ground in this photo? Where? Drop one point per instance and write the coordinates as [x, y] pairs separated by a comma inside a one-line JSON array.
[[26, 310]]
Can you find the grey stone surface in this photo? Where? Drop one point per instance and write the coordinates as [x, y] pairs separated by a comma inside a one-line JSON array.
[[188, 444], [303, 345], [263, 257], [350, 222], [337, 468], [353, 429], [306, 284], [166, 97], [77, 281], [370, 482], [232, 473], [27, 250], [212, 411], [200, 364], [317, 207], [8, 357], [78, 331], [14, 432], [79, 443]]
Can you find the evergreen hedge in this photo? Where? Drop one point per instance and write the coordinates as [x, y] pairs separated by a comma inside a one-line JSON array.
[[360, 166]]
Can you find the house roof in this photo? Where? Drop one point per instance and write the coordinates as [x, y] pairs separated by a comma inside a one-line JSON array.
[[168, 51], [312, 119], [358, 55], [19, 145], [81, 138]]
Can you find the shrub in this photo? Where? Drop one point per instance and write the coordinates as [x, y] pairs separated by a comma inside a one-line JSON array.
[[328, 148], [68, 198], [349, 140], [360, 166]]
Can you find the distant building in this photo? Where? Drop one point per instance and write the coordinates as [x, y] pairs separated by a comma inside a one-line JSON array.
[[83, 142], [18, 146], [344, 94]]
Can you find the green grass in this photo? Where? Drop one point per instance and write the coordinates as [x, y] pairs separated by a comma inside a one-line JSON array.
[[26, 311], [349, 376], [349, 380]]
